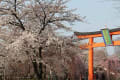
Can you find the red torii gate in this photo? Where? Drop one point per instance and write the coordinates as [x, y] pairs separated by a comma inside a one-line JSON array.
[[91, 45]]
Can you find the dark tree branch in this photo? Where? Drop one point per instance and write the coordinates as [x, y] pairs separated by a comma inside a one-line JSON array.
[[14, 23], [56, 20], [44, 18], [15, 5], [21, 24]]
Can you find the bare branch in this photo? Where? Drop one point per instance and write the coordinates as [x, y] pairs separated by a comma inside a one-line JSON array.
[[21, 24]]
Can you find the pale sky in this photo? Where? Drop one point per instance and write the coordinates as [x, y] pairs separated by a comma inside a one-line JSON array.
[[98, 13]]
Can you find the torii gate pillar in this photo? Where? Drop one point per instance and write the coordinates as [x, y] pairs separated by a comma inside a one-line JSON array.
[[90, 59], [91, 45]]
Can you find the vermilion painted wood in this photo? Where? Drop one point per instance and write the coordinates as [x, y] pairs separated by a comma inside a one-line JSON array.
[[115, 43], [92, 45], [90, 60], [97, 35]]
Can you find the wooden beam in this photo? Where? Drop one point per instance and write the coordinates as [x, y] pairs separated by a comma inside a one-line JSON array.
[[102, 44], [95, 32], [97, 35]]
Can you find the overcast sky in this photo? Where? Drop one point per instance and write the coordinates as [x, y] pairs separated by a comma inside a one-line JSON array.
[[98, 13]]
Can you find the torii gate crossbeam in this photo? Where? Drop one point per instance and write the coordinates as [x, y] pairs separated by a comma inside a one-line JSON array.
[[91, 45]]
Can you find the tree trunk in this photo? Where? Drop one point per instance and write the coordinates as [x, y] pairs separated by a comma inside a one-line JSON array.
[[40, 64], [35, 66], [38, 69]]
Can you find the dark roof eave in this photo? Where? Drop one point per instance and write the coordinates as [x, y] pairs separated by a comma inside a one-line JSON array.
[[96, 32]]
